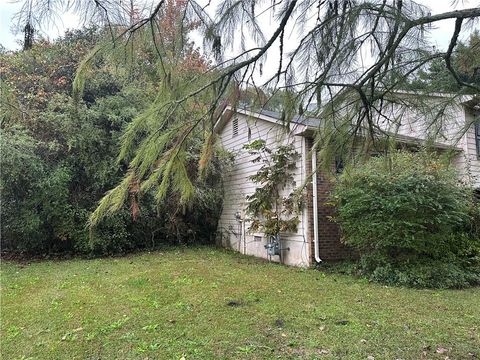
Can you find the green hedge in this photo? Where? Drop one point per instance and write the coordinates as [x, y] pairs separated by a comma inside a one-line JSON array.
[[411, 220], [58, 157]]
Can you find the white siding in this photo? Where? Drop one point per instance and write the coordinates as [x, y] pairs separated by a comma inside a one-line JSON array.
[[469, 162], [426, 123], [455, 128], [237, 186]]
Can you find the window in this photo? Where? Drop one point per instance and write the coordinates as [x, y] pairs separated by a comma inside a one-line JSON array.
[[235, 127]]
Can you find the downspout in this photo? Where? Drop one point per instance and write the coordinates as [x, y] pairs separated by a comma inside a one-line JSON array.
[[315, 207], [244, 238]]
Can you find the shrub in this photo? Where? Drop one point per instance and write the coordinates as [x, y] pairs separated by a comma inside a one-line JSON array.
[[427, 274], [58, 158], [21, 225], [410, 219]]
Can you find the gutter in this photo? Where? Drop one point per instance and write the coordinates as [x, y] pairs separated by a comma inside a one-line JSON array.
[[315, 207]]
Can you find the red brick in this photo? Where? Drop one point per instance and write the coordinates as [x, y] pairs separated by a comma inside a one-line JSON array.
[[330, 246]]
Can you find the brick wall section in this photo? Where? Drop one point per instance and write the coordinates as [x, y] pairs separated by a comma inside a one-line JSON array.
[[328, 232], [331, 247]]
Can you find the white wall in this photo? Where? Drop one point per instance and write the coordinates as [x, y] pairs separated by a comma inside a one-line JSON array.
[[237, 186], [468, 161], [454, 128]]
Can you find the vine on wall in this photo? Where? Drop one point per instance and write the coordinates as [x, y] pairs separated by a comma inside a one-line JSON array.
[[271, 212]]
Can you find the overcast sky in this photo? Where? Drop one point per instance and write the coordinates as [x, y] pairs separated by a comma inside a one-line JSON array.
[[440, 35]]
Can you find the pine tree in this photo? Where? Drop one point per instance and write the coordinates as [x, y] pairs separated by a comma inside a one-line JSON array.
[[352, 57]]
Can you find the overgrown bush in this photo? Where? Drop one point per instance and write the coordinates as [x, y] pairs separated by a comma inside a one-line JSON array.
[[58, 157], [427, 273], [411, 220]]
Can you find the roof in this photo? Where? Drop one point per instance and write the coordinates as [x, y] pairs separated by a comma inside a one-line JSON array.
[[267, 115], [312, 124], [297, 119]]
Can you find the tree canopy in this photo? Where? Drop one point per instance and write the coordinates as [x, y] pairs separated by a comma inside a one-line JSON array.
[[59, 153], [351, 57], [466, 62]]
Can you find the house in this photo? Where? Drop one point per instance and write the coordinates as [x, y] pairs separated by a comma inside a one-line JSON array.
[[317, 237]]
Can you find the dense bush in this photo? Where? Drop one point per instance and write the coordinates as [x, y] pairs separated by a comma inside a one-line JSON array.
[[58, 157], [411, 220], [427, 273]]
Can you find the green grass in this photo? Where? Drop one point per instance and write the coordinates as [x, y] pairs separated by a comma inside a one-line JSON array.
[[206, 303]]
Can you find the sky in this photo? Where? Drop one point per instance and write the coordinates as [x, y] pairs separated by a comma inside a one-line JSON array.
[[11, 41], [440, 35]]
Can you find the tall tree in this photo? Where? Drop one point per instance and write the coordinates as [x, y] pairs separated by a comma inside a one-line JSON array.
[[468, 56], [466, 62], [58, 157], [350, 56]]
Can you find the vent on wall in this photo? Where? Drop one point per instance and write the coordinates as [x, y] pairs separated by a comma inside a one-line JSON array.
[[477, 135], [235, 127]]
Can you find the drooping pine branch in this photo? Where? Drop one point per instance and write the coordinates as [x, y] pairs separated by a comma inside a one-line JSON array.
[[354, 58]]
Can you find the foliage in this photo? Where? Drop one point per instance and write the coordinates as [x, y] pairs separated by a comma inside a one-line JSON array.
[[58, 155], [272, 212], [323, 63], [406, 214], [269, 99], [118, 308], [409, 202], [427, 273], [167, 158], [42, 137], [437, 78], [21, 167]]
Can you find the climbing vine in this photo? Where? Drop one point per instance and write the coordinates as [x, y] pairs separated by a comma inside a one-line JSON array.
[[270, 211]]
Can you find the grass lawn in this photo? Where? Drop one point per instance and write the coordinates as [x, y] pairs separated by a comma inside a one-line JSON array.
[[206, 303]]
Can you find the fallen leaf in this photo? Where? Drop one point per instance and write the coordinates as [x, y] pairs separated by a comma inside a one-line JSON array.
[[441, 350]]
